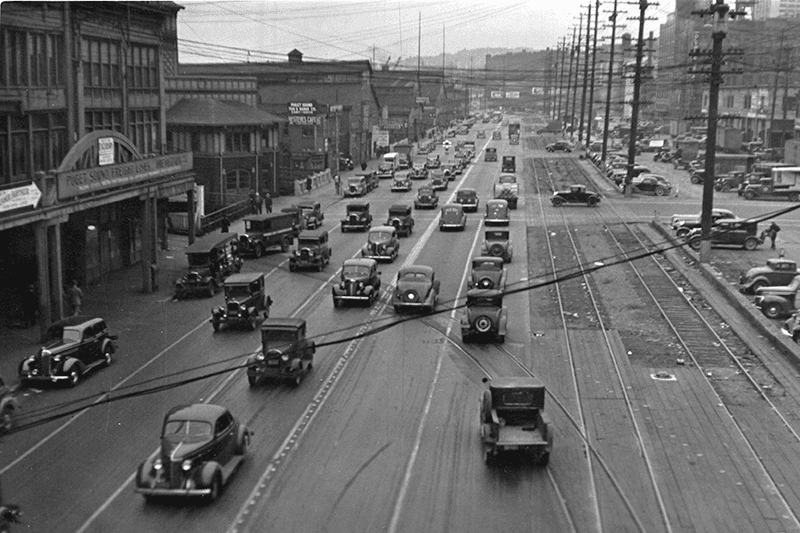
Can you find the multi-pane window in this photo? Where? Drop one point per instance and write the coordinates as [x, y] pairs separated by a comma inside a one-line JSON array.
[[237, 182], [142, 67], [143, 130], [30, 59], [100, 64], [103, 120], [237, 142], [748, 101]]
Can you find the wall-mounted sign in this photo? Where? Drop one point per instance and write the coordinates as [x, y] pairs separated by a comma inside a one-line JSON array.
[[382, 139], [338, 108], [393, 124], [422, 100], [302, 108], [512, 94], [77, 182], [497, 94], [537, 90], [25, 196], [303, 120], [105, 151]]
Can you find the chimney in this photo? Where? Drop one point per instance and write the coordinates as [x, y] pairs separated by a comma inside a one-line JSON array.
[[295, 56]]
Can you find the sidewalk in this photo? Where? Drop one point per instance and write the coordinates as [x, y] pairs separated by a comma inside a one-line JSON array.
[[119, 299]]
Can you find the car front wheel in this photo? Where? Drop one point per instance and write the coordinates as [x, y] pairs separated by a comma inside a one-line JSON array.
[[74, 377], [660, 191], [772, 311], [558, 202], [107, 355], [750, 244]]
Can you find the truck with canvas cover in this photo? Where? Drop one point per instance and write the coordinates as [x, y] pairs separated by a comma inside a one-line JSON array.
[[507, 189]]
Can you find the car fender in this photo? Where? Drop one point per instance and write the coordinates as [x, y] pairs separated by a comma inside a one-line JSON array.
[[70, 363], [205, 474], [501, 327], [143, 472], [7, 402], [784, 303], [108, 343]]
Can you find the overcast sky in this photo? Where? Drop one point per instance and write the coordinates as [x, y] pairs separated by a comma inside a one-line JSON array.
[[355, 29]]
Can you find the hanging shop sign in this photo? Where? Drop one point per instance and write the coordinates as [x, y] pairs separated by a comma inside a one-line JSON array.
[[25, 196]]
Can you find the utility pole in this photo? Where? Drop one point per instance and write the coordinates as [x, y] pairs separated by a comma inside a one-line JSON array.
[[607, 119], [720, 12], [637, 89], [585, 73], [590, 116], [419, 86], [567, 115], [577, 65], [559, 114]]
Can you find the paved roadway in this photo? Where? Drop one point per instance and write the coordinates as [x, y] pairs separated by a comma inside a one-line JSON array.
[[382, 436]]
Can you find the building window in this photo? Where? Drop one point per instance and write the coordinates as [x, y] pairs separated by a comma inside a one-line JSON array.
[[100, 64], [237, 142], [31, 59], [748, 101], [143, 130], [237, 182], [103, 120], [729, 100], [142, 67]]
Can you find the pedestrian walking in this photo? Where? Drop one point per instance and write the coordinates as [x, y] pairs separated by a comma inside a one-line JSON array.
[[258, 203], [252, 196], [225, 224], [308, 183], [363, 165], [337, 182], [772, 233], [267, 202], [74, 297]]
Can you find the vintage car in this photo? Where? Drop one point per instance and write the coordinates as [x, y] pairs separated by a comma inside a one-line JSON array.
[[382, 244], [485, 316], [453, 217], [345, 162], [729, 232], [513, 419], [245, 298], [777, 271], [507, 189], [481, 134], [311, 251], [400, 218], [576, 194], [778, 301], [385, 171], [262, 232], [357, 218], [791, 328], [416, 288], [497, 243], [508, 164], [651, 184], [468, 198], [360, 282], [432, 161], [487, 272], [438, 180], [460, 163], [449, 170], [401, 182], [559, 146], [355, 186], [497, 136], [286, 354], [312, 214], [683, 224], [490, 154], [8, 408], [426, 198], [73, 347], [419, 171], [202, 445], [211, 259], [497, 213]]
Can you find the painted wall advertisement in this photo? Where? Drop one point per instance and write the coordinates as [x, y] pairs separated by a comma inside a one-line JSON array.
[[304, 113]]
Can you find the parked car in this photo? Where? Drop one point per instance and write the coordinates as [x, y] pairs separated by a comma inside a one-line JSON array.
[[468, 198], [202, 445], [490, 154], [382, 244], [651, 184], [286, 354], [559, 146], [360, 281], [777, 271], [683, 224], [401, 182], [497, 243], [400, 218], [345, 163], [245, 298], [312, 214], [453, 217], [497, 213], [487, 272], [485, 317], [73, 347], [311, 251], [791, 327], [416, 288], [729, 232], [513, 419], [778, 301], [576, 194], [211, 259], [357, 218], [426, 198], [438, 180], [355, 186], [262, 232], [419, 171], [497, 135]]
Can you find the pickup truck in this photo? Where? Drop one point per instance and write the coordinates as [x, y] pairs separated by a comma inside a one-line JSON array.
[[513, 419], [683, 224], [507, 189]]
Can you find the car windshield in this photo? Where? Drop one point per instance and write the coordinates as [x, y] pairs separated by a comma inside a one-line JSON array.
[[355, 181], [236, 292], [508, 179], [485, 301], [307, 243], [451, 212], [198, 260], [467, 195], [187, 430], [485, 265], [425, 192], [278, 335], [305, 208], [414, 276], [397, 212], [357, 209], [355, 271], [379, 236], [71, 335], [385, 166]]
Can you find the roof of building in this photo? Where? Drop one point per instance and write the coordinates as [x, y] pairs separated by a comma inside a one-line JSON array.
[[214, 112], [272, 68]]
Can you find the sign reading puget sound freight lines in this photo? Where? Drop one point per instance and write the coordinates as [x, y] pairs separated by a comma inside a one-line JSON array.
[[78, 182]]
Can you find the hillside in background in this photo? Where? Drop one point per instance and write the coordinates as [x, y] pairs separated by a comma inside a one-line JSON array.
[[462, 60]]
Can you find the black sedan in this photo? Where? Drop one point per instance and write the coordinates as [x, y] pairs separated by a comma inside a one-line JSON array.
[[576, 194]]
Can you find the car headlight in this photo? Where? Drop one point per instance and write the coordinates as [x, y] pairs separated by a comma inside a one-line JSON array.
[[360, 284], [242, 308], [260, 356], [186, 465], [157, 464], [285, 357]]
